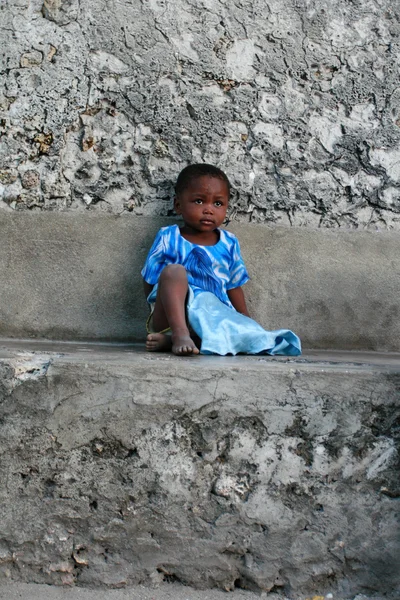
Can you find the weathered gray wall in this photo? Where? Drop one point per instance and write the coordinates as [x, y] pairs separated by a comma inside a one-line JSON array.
[[104, 101]]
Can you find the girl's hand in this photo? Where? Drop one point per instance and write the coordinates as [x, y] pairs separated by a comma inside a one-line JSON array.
[[236, 296]]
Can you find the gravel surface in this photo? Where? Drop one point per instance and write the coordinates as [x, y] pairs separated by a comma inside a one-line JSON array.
[[173, 591], [18, 591]]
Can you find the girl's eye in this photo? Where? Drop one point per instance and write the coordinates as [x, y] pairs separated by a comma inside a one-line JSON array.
[[199, 201], [218, 203]]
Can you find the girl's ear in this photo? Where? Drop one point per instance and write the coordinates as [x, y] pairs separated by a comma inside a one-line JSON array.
[[177, 206]]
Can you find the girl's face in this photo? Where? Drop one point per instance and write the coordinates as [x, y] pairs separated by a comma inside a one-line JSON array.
[[203, 203]]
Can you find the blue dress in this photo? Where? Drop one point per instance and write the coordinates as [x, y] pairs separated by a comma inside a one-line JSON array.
[[212, 271]]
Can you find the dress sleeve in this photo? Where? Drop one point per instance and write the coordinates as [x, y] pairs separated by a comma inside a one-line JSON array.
[[155, 261], [238, 271]]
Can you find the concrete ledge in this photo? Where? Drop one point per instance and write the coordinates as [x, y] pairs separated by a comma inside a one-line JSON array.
[[66, 276], [122, 467]]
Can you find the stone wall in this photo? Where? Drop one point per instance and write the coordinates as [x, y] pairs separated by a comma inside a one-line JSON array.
[[102, 103]]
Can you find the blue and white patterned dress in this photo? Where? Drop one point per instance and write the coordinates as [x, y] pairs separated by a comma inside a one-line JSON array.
[[212, 271]]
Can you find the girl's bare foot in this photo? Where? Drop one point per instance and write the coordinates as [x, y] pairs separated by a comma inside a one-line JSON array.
[[158, 342], [183, 345]]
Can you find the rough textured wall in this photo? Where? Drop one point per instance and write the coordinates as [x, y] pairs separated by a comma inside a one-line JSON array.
[[104, 102]]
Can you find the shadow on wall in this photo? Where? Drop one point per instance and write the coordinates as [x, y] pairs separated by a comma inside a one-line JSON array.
[[127, 304]]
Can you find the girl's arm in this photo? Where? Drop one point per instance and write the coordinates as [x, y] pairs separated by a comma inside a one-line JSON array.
[[236, 296]]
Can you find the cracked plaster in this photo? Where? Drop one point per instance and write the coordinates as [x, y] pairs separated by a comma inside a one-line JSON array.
[[103, 103]]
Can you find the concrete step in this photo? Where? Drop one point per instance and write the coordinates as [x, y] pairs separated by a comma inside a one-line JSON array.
[[270, 474]]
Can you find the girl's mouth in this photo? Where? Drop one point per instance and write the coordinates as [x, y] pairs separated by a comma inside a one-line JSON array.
[[207, 222]]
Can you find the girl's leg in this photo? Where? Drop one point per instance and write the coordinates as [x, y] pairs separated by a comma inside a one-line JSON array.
[[169, 311]]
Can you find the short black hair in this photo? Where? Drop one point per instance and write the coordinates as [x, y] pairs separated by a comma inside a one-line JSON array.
[[199, 170]]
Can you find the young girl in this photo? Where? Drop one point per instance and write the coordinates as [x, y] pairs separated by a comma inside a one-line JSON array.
[[193, 279]]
